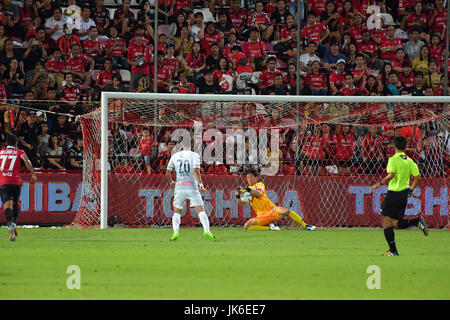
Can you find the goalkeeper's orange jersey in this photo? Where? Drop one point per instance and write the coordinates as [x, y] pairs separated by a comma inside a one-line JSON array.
[[262, 205]]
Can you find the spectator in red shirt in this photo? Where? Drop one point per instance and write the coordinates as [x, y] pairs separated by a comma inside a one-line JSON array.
[[368, 48], [66, 41], [356, 30], [407, 78], [373, 85], [290, 78], [139, 58], [266, 76], [418, 19], [211, 36], [330, 18], [164, 157], [101, 17], [145, 148], [195, 63], [436, 49], [349, 88], [70, 92], [237, 16], [256, 50], [316, 80], [183, 85], [372, 151], [390, 45], [164, 77], [239, 61], [401, 61], [56, 68], [361, 71], [224, 68], [337, 77], [317, 147], [93, 47], [261, 21], [344, 150], [105, 76], [116, 49], [231, 43], [345, 16], [172, 62], [27, 15], [317, 32], [404, 8], [77, 63], [437, 18], [124, 19]]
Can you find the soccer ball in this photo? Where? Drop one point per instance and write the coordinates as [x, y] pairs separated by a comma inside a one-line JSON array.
[[246, 197]]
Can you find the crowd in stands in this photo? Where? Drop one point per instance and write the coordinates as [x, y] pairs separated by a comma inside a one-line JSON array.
[[56, 56]]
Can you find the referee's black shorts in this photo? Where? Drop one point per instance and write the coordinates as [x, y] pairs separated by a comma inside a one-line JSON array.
[[10, 192], [394, 204]]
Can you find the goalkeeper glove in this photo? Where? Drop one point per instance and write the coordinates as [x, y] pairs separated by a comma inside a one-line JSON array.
[[238, 192]]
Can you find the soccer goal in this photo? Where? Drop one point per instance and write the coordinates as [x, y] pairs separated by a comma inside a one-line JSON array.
[[317, 155]]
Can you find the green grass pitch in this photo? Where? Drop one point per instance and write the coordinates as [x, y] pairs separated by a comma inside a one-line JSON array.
[[243, 265]]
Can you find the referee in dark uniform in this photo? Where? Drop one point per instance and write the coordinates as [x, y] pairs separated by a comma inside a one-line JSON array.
[[400, 168]]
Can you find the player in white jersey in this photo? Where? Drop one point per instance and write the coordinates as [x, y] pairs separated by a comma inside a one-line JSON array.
[[188, 185]]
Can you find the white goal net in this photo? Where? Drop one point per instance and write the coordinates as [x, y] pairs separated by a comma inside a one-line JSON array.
[[317, 155]]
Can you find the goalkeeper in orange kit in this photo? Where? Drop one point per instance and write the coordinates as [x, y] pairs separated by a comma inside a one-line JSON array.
[[266, 211]]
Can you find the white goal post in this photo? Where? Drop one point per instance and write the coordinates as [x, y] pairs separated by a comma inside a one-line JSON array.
[[107, 96]]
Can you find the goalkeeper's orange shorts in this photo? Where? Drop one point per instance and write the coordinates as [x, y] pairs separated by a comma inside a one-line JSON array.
[[267, 217]]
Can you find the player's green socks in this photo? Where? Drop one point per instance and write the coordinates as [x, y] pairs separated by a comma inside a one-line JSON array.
[[294, 216], [258, 227]]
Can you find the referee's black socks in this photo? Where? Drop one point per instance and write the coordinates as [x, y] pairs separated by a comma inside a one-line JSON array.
[[406, 223], [390, 238]]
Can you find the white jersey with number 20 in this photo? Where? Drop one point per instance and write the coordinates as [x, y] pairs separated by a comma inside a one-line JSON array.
[[184, 162]]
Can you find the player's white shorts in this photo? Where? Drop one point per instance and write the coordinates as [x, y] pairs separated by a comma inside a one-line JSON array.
[[180, 197]]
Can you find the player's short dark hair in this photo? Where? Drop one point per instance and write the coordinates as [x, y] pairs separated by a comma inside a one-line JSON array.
[[11, 140], [400, 143], [254, 170]]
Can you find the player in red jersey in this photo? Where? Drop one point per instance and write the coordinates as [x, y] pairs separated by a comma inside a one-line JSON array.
[[11, 183]]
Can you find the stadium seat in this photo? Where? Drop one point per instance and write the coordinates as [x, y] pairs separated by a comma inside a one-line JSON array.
[[18, 3], [111, 12], [281, 64], [163, 28], [243, 79], [123, 168], [130, 135], [288, 169], [17, 43], [95, 74], [133, 152], [135, 12], [270, 48], [125, 74], [112, 3]]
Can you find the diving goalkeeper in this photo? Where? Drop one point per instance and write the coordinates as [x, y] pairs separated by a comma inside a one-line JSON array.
[[266, 211]]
